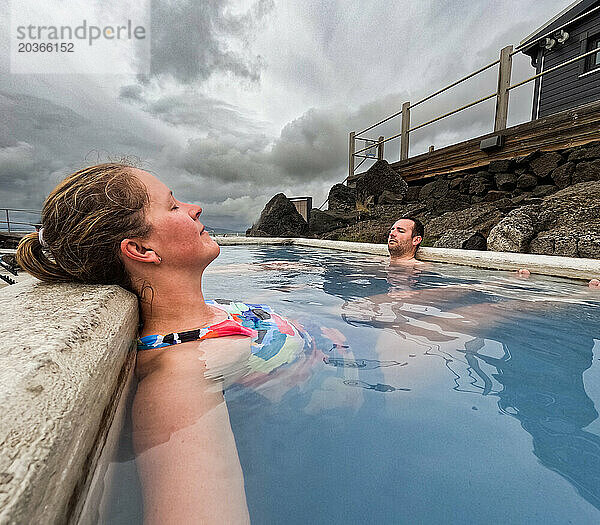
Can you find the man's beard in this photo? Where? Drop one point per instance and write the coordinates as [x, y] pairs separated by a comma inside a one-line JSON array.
[[400, 249]]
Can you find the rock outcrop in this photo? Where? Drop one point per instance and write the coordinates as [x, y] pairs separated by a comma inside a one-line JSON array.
[[279, 219], [566, 223], [341, 198], [379, 178], [321, 222], [462, 239], [515, 231]]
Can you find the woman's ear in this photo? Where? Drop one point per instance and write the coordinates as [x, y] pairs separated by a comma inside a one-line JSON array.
[[134, 249]]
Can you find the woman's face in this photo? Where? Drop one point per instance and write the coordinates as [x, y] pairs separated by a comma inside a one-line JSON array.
[[177, 236]]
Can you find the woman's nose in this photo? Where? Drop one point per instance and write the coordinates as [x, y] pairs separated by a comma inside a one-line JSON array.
[[195, 211]]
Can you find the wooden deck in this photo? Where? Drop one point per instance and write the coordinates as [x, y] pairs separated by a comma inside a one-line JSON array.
[[562, 130]]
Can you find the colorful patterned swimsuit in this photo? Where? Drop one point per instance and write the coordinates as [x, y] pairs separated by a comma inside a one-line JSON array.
[[275, 341]]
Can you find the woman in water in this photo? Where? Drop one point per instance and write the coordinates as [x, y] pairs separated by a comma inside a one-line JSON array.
[[115, 224]]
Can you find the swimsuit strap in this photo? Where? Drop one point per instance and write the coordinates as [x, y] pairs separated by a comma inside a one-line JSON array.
[[223, 329]]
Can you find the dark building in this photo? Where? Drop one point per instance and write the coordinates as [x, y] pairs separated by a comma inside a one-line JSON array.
[[572, 32]]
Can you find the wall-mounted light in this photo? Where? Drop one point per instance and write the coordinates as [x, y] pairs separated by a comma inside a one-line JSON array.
[[561, 36]]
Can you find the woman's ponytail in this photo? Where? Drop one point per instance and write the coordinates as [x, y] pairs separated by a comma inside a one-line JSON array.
[[32, 258]]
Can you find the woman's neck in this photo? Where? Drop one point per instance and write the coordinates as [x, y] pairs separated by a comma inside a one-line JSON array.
[[171, 307]]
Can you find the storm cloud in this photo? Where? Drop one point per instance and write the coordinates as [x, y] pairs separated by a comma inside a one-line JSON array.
[[249, 98]]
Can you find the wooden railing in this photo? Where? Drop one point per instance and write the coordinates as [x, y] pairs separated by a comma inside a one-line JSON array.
[[501, 94]]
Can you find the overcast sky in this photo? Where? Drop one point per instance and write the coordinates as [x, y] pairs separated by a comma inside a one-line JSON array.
[[247, 99]]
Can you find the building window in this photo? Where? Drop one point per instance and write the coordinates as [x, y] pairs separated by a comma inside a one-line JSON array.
[[593, 59], [591, 62]]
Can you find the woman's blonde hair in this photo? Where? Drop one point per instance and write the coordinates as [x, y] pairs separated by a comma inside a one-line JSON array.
[[84, 220]]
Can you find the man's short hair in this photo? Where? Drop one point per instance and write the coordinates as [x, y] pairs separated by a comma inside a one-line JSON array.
[[418, 228]]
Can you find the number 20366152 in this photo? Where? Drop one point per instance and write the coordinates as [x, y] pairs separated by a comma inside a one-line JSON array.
[[43, 47]]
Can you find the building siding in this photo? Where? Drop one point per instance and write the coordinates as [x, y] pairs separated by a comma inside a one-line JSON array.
[[564, 88]]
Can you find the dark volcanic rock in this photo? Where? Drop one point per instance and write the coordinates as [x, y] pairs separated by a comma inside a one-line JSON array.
[[461, 239], [325, 221], [376, 227], [373, 231], [279, 219], [341, 198], [455, 183], [544, 190], [378, 178], [524, 161], [586, 172], [451, 202], [500, 166], [505, 181], [495, 195], [562, 175], [465, 183], [434, 190], [526, 182], [543, 165], [515, 231], [387, 197], [481, 217], [479, 185], [588, 152], [526, 198], [566, 223], [412, 194]]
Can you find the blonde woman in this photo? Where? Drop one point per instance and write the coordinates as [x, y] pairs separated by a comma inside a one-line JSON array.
[[115, 224]]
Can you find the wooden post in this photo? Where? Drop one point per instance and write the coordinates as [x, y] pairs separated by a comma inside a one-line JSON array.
[[504, 72], [405, 128], [351, 150], [380, 148], [7, 221]]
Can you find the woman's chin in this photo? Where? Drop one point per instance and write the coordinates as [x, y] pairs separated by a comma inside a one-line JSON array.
[[215, 250]]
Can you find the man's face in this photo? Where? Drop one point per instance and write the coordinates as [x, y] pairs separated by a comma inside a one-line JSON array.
[[401, 243]]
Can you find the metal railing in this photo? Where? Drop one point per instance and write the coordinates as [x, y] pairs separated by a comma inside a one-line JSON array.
[[501, 94], [6, 222]]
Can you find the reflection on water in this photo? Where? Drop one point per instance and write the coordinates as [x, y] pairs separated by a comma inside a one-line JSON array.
[[428, 394], [538, 378], [365, 364]]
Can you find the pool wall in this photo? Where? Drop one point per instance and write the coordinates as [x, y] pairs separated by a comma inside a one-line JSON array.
[[572, 267], [65, 355]]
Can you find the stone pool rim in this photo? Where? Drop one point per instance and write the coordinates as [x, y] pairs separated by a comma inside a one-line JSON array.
[[552, 265]]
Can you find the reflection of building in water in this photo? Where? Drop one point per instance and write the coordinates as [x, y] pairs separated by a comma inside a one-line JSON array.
[[532, 356]]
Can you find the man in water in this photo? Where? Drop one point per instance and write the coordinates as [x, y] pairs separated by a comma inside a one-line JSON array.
[[404, 239]]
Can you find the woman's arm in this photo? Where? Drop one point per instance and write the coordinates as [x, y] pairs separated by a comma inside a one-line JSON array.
[[185, 449]]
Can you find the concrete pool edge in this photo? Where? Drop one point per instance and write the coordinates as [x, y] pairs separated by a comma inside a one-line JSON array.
[[570, 267], [59, 393]]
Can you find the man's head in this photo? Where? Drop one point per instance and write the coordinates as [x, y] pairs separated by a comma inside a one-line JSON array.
[[404, 238]]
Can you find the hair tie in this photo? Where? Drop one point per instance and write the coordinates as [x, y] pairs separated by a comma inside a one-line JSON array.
[[41, 238]]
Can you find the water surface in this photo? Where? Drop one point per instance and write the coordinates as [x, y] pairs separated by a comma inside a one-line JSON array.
[[438, 394]]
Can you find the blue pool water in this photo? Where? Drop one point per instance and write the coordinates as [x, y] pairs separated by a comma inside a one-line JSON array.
[[441, 394]]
